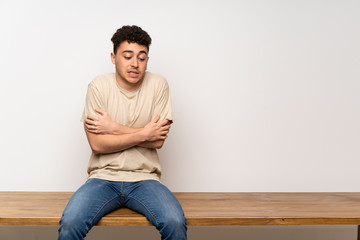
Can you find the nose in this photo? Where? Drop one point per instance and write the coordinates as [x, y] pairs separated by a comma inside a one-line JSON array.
[[135, 63]]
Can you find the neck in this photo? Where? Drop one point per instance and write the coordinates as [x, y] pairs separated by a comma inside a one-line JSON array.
[[128, 86]]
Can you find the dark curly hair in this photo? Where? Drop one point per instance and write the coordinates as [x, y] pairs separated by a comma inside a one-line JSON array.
[[131, 34]]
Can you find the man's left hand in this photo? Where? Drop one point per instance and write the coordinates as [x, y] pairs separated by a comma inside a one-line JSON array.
[[101, 124]]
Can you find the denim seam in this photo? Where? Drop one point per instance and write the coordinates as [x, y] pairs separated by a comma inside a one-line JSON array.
[[122, 190], [116, 190], [151, 213], [97, 213]]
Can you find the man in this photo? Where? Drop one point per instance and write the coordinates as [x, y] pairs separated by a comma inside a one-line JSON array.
[[127, 116]]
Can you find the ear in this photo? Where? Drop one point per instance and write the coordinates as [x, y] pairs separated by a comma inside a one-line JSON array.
[[112, 55]]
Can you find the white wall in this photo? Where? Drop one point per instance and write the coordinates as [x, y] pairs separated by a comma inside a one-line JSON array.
[[265, 93]]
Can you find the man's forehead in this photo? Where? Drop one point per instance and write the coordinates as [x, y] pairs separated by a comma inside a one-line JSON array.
[[126, 47], [131, 51]]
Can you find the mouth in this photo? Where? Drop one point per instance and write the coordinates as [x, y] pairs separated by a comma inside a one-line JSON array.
[[133, 74]]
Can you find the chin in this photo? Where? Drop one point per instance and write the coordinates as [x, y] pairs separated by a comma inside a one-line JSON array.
[[134, 81]]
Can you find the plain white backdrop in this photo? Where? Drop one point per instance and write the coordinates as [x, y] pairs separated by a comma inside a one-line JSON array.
[[265, 93]]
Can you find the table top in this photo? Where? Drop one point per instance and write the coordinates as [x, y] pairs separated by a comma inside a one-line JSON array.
[[220, 208]]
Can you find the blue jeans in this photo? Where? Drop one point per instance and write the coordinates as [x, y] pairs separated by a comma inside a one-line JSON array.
[[98, 197]]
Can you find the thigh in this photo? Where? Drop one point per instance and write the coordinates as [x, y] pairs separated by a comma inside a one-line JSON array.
[[155, 201], [92, 201]]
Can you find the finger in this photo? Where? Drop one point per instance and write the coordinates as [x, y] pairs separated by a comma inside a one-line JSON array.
[[100, 111], [165, 128], [165, 122], [89, 121], [92, 117], [156, 119], [90, 129], [91, 126]]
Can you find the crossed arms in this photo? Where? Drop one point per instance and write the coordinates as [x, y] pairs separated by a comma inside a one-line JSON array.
[[106, 136]]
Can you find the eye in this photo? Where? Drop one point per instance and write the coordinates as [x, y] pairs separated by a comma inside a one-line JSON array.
[[127, 58], [142, 57]]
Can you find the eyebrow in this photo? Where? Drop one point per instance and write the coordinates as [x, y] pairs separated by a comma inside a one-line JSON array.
[[130, 51]]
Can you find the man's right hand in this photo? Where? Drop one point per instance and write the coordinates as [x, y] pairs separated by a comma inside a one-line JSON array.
[[156, 130]]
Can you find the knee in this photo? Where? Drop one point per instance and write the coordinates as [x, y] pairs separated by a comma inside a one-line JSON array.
[[69, 222], [175, 221], [72, 227], [174, 225]]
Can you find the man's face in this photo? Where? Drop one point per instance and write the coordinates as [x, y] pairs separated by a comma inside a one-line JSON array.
[[130, 63]]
